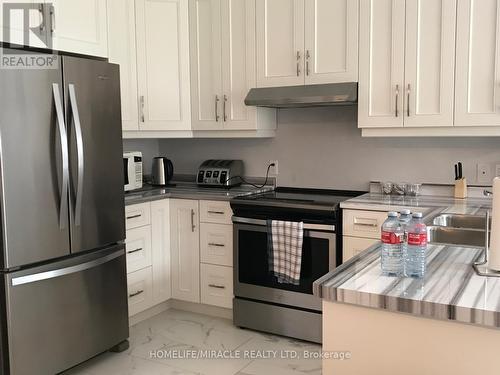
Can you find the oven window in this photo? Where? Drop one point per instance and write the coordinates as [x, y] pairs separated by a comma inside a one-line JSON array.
[[253, 265]]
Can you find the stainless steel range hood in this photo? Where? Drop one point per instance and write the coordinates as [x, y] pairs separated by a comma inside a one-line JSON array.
[[331, 94]]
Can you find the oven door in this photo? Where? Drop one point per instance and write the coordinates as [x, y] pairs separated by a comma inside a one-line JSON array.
[[252, 277]]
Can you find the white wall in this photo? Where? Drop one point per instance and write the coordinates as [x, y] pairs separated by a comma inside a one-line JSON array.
[[322, 147]]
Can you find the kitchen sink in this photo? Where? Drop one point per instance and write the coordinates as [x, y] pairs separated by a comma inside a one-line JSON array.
[[455, 236], [460, 221]]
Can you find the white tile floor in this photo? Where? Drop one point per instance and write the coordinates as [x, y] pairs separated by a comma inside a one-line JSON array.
[[181, 332]]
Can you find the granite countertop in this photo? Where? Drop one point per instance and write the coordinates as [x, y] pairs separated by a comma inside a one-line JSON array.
[[188, 190], [450, 290]]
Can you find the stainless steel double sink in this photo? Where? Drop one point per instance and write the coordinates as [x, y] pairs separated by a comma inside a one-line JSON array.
[[456, 229]]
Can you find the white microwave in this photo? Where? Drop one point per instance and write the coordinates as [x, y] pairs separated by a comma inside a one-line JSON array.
[[132, 167]]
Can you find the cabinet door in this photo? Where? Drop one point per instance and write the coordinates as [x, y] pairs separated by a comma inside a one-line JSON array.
[[352, 246], [122, 51], [331, 39], [16, 26], [381, 63], [162, 29], [429, 62], [160, 243], [280, 42], [238, 63], [79, 26], [477, 100], [206, 59], [185, 249]]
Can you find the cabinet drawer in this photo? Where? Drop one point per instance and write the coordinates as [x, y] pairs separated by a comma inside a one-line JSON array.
[[140, 290], [363, 223], [216, 285], [216, 244], [215, 212], [352, 246], [137, 215], [138, 247]]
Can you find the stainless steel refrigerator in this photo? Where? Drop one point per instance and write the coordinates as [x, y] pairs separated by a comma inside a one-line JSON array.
[[63, 286]]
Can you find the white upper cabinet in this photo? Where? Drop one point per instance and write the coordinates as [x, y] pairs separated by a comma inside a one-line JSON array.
[[381, 63], [206, 54], [122, 51], [478, 58], [430, 62], [407, 60], [238, 63], [306, 42], [280, 42], [79, 26], [162, 37], [223, 61], [331, 41]]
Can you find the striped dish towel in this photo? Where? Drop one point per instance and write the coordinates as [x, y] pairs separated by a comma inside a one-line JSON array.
[[284, 242]]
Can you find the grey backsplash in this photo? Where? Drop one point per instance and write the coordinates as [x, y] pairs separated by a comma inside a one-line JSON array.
[[323, 148]]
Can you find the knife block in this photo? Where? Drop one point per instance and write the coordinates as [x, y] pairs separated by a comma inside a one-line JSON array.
[[461, 188]]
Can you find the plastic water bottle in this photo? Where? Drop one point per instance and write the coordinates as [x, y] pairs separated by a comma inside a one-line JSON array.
[[416, 248], [392, 253], [404, 217]]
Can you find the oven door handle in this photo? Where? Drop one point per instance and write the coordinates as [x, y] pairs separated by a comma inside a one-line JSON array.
[[307, 226]]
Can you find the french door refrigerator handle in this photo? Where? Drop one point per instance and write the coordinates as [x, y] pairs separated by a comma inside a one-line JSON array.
[[80, 153], [28, 279], [63, 138]]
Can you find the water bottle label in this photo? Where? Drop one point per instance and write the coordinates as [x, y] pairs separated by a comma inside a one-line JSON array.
[[391, 237], [417, 239]]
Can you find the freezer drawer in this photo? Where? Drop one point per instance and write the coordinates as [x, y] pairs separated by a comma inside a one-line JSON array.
[[64, 313]]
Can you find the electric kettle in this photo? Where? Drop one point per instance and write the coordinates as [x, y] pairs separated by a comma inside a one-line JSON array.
[[163, 171]]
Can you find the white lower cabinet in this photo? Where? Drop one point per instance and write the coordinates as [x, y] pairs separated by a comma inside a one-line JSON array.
[[140, 291], [185, 249], [352, 246], [138, 248], [216, 285], [160, 252], [216, 244]]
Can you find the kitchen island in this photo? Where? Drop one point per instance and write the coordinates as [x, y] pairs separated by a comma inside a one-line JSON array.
[[448, 320]]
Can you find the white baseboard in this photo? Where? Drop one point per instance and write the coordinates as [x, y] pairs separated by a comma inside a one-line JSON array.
[[199, 308], [149, 313]]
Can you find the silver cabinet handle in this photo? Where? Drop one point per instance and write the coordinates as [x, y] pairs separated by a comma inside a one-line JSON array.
[[366, 225], [134, 251], [298, 63], [224, 108], [216, 244], [52, 19], [193, 227], [80, 153], [216, 212], [63, 139], [133, 216], [408, 101], [28, 279], [141, 101], [397, 100], [216, 286], [41, 9], [135, 293], [307, 62], [217, 108]]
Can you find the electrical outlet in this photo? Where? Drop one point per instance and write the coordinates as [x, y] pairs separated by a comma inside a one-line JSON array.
[[273, 171], [484, 176]]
